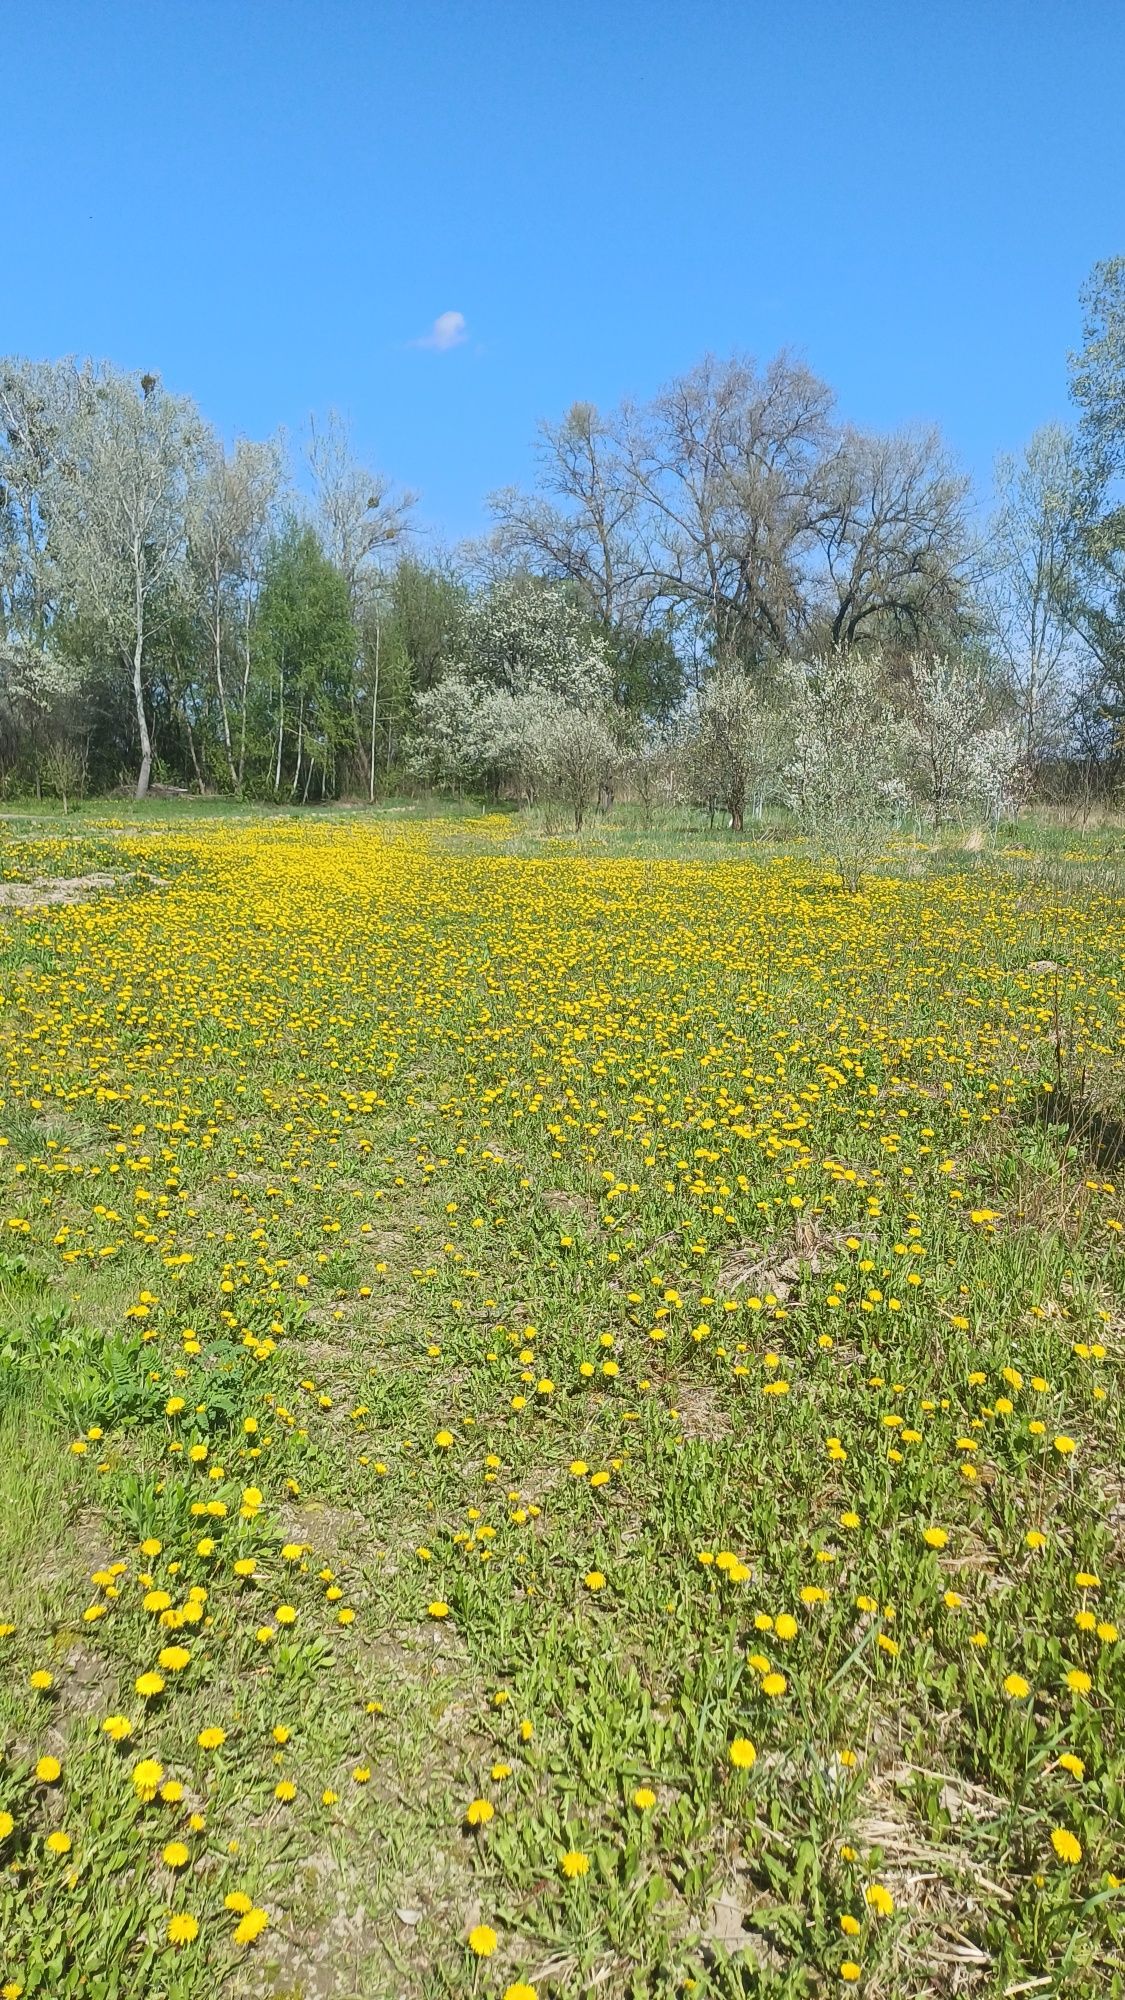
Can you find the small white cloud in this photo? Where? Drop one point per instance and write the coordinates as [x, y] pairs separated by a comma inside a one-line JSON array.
[[448, 330]]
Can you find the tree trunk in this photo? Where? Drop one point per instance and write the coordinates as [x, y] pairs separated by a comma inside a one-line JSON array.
[[245, 699], [224, 717], [280, 731], [145, 772], [300, 747], [194, 757], [374, 707]]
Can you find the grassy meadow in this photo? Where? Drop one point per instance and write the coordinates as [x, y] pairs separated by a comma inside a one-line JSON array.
[[560, 1421]]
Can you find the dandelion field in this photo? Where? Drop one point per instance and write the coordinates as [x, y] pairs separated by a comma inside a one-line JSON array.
[[560, 1419]]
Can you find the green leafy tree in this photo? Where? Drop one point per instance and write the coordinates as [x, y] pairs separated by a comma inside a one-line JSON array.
[[409, 626], [425, 611], [648, 674], [308, 643]]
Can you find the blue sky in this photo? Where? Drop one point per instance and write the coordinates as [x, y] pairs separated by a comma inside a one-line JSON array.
[[269, 201]]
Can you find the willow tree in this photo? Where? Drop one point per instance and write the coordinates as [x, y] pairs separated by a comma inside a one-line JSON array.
[[230, 514], [119, 515]]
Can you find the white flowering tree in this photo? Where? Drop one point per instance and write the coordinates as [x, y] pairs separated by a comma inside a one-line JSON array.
[[465, 737], [964, 753], [845, 779], [445, 747], [519, 638], [506, 709]]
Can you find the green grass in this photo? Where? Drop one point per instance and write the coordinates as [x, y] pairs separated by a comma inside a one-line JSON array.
[[37, 1496]]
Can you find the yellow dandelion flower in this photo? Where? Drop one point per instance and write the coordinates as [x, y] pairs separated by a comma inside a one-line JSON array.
[[250, 1927], [146, 1778]]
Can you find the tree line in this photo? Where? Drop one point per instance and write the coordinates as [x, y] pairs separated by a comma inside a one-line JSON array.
[[685, 585]]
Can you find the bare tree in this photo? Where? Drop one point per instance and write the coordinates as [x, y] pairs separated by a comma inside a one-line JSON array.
[[119, 511], [724, 464], [358, 512], [578, 755], [359, 517], [587, 534], [651, 764], [893, 536], [231, 509], [1030, 581], [733, 510]]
